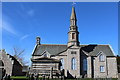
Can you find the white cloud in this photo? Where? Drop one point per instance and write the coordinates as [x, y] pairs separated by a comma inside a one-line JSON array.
[[23, 37], [7, 26]]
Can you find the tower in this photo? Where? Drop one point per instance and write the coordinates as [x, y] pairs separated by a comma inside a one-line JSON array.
[[73, 30]]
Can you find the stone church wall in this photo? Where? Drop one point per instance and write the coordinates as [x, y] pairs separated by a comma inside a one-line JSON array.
[[76, 72], [89, 67], [112, 67]]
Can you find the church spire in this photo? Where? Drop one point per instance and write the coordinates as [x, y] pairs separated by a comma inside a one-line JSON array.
[[73, 15], [73, 32]]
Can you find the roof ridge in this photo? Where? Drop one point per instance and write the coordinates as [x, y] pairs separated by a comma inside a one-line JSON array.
[[80, 44], [53, 44], [97, 44]]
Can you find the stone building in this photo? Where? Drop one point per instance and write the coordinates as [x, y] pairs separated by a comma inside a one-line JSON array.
[[77, 60], [118, 65], [2, 70], [12, 66]]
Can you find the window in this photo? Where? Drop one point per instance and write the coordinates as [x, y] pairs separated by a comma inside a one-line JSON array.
[[73, 35], [72, 22], [102, 69], [73, 52], [73, 64], [62, 62], [84, 64], [45, 55], [102, 57]]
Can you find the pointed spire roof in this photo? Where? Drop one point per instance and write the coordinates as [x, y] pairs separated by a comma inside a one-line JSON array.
[[73, 14]]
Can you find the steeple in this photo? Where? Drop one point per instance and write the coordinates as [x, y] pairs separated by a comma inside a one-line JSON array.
[[73, 31], [73, 15]]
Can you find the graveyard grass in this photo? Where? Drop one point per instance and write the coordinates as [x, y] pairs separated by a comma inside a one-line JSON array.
[[24, 77], [19, 77]]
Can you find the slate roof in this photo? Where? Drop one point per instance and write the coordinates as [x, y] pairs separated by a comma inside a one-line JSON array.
[[91, 50], [16, 61], [52, 49]]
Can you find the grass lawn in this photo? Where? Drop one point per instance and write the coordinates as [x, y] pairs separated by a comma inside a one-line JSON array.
[[19, 77], [24, 78]]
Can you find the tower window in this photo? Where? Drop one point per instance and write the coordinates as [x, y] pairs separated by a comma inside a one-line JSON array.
[[73, 52], [73, 65], [73, 35], [62, 62]]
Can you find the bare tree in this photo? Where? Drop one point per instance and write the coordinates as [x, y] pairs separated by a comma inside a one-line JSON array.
[[19, 55]]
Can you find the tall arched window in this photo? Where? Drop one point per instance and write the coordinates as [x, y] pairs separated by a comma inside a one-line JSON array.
[[62, 62], [102, 57], [73, 64], [85, 64]]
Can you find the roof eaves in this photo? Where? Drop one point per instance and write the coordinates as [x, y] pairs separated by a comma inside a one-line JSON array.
[[54, 44], [111, 49], [34, 50]]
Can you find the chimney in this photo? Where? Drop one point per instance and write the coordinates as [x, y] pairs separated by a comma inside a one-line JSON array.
[[38, 40]]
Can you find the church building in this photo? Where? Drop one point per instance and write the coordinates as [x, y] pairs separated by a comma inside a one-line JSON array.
[[73, 58]]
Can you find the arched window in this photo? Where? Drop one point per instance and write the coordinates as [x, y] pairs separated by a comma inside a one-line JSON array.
[[102, 57], [62, 62], [85, 64], [73, 64]]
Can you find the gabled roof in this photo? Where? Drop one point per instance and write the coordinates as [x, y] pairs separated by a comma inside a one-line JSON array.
[[16, 61], [53, 49], [91, 50]]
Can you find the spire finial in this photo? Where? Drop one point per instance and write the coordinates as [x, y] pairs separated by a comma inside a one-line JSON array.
[[73, 3], [73, 14]]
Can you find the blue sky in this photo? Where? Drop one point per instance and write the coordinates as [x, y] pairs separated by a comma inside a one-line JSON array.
[[23, 21]]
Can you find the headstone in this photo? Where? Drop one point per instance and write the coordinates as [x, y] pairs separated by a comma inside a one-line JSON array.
[[43, 77], [32, 77], [48, 77], [3, 73], [5, 77], [51, 72], [8, 78], [29, 76], [37, 77]]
